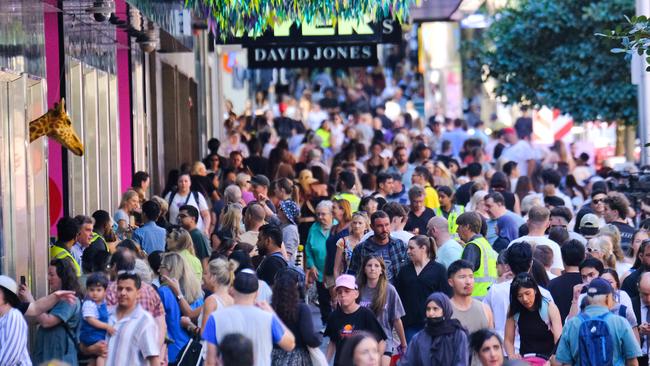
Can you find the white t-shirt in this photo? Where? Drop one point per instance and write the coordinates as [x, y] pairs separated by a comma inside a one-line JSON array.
[[188, 199], [498, 299], [542, 240], [520, 153]]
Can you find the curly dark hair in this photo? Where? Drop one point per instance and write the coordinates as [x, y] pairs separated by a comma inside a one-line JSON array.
[[66, 272], [286, 298]]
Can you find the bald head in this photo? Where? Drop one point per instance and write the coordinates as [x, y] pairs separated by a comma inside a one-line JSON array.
[[254, 217], [644, 288], [439, 229]]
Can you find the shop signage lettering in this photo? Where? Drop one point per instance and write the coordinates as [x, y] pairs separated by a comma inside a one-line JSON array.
[[341, 55], [344, 31]]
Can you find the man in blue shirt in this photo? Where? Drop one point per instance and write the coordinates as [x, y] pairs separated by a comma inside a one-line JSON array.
[[600, 299], [150, 236], [257, 322]]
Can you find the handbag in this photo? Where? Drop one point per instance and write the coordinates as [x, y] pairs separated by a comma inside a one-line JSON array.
[[192, 353], [317, 357]]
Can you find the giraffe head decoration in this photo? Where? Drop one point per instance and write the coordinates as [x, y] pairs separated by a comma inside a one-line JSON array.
[[57, 124]]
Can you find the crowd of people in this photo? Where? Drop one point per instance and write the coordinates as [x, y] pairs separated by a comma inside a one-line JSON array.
[[417, 242]]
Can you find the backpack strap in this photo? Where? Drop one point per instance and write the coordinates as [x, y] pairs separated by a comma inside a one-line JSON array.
[[172, 194], [543, 311]]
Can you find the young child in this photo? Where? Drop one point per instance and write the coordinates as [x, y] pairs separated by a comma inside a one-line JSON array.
[[94, 324], [349, 319]]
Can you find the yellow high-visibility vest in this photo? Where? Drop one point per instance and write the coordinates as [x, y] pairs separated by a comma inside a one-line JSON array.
[[56, 252], [486, 273]]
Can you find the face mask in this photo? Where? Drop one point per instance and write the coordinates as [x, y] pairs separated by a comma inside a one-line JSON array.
[[432, 322]]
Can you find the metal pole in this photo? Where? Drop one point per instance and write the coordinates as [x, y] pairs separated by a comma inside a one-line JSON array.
[[643, 8]]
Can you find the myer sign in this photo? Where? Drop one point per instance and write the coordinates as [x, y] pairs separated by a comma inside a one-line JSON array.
[[310, 55], [343, 31]]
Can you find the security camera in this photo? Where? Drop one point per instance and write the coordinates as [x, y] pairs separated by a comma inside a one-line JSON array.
[[102, 9]]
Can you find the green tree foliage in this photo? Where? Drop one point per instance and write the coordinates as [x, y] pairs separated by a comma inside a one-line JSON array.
[[634, 38], [543, 52]]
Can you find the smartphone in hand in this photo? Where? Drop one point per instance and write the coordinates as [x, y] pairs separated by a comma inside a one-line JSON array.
[[23, 281]]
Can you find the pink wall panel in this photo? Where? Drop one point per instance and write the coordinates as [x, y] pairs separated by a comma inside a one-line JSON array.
[[54, 74], [124, 101]]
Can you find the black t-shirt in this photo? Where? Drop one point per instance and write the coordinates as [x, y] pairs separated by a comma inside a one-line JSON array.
[[561, 288], [258, 165], [341, 326], [420, 222], [627, 232], [269, 267], [97, 246], [414, 289]]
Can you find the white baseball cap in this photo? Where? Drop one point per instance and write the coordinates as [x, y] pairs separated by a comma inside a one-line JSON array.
[[11, 289]]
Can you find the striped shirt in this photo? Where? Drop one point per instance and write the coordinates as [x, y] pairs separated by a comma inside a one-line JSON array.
[[13, 339], [135, 340]]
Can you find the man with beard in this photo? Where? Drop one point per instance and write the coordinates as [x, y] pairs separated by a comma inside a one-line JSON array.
[[392, 250], [269, 245]]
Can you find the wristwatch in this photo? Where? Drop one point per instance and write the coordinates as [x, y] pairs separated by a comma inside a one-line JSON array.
[[180, 297]]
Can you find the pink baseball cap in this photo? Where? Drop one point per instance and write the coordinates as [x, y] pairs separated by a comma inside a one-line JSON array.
[[347, 281]]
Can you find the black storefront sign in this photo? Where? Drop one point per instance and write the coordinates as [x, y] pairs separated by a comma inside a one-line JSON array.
[[312, 55], [384, 31]]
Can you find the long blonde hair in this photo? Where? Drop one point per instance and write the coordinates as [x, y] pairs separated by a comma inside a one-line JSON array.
[[614, 234], [231, 219], [179, 269], [179, 239], [604, 245]]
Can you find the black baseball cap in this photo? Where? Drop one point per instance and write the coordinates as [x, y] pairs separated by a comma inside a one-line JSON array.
[[246, 282], [260, 180]]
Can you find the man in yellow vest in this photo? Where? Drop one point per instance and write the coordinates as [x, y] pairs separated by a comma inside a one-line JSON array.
[[448, 209], [67, 229], [477, 251], [346, 183]]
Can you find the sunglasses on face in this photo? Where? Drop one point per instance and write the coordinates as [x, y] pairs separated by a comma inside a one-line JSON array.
[[593, 250], [598, 201]]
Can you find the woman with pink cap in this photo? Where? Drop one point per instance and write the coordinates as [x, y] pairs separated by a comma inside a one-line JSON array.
[[350, 318]]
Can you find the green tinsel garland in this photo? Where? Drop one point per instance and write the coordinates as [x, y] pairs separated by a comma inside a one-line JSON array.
[[230, 17]]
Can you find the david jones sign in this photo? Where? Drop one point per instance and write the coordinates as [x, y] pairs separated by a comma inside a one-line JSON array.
[[343, 44], [341, 55]]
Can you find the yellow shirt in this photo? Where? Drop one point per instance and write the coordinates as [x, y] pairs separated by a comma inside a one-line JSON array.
[[194, 263], [431, 197]]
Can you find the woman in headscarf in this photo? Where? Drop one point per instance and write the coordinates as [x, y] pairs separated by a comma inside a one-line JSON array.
[[443, 341]]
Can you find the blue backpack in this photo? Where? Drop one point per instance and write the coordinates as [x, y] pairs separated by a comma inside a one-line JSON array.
[[595, 345]]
